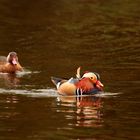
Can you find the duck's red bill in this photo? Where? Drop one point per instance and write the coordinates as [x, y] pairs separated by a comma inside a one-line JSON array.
[[14, 61], [99, 85]]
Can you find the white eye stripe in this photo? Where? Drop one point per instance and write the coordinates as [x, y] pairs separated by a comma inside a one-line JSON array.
[[89, 75], [97, 75]]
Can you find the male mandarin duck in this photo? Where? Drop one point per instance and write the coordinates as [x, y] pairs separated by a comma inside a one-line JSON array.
[[10, 64], [89, 83]]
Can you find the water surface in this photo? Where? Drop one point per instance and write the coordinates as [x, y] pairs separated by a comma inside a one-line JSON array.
[[54, 38]]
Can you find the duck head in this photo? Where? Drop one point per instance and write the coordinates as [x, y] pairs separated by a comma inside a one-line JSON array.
[[95, 79], [12, 58]]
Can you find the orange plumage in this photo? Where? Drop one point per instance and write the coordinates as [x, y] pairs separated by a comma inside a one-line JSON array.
[[85, 84]]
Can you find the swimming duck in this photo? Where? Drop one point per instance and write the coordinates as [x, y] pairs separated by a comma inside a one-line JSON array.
[[10, 64], [89, 83]]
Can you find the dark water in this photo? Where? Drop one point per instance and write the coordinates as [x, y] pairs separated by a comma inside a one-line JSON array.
[[53, 38]]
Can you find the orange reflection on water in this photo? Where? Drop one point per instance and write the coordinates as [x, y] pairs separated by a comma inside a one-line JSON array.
[[87, 111]]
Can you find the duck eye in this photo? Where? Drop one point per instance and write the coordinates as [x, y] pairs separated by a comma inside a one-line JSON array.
[[91, 78]]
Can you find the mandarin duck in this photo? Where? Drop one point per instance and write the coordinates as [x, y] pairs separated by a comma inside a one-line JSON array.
[[89, 83], [10, 64]]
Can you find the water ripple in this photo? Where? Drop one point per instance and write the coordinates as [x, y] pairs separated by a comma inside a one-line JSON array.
[[31, 93]]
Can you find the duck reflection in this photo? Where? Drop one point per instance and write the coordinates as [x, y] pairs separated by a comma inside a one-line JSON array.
[[88, 110], [9, 80]]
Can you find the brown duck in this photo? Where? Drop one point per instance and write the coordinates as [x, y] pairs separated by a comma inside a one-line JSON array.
[[10, 64]]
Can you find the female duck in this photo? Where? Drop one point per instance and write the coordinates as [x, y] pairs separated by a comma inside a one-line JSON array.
[[89, 83], [10, 64]]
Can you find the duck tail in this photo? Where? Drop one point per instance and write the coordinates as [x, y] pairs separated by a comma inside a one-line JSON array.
[[58, 81], [55, 80]]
